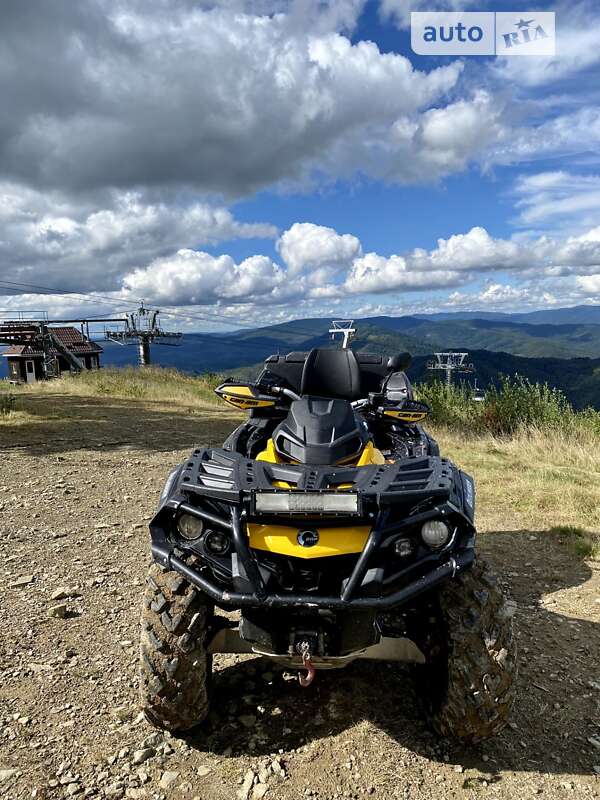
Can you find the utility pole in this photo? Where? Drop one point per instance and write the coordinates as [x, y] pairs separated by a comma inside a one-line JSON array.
[[451, 363], [343, 327], [142, 327]]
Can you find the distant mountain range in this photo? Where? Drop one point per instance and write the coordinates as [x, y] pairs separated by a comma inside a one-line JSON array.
[[558, 346]]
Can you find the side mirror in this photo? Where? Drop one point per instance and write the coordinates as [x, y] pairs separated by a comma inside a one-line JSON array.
[[399, 363]]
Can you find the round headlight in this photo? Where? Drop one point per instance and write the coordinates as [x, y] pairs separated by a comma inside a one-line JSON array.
[[189, 527], [435, 533]]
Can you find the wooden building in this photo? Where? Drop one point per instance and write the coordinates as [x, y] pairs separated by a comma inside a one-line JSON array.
[[26, 362]]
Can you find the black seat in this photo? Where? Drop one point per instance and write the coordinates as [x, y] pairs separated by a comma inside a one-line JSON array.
[[331, 373]]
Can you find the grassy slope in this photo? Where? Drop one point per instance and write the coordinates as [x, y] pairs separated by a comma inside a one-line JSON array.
[[153, 383], [533, 481]]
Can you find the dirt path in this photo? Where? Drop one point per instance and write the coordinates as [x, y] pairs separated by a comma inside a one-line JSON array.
[[74, 500]]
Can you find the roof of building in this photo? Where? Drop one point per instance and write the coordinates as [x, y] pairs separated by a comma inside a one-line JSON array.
[[72, 338]]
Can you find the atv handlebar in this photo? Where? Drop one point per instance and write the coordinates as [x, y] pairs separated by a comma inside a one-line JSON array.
[[280, 390], [285, 392]]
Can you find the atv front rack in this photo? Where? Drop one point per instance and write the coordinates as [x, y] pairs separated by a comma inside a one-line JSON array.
[[230, 477]]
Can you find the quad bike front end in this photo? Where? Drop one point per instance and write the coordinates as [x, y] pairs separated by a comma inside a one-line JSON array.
[[322, 559], [338, 533]]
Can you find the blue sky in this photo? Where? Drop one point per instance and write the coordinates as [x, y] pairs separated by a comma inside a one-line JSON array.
[[265, 160]]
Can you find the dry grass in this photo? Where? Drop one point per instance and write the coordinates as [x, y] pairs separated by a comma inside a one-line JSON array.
[[535, 480], [155, 384]]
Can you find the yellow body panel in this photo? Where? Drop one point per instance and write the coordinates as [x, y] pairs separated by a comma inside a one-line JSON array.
[[283, 539], [269, 454], [369, 455]]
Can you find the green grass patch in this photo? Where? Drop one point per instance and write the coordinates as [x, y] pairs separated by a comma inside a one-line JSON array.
[[513, 406], [585, 544]]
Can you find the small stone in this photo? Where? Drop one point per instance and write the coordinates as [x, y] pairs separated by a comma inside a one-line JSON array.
[[59, 611], [247, 783], [139, 756], [594, 741], [459, 768], [73, 789], [7, 774], [167, 779], [596, 769], [153, 740], [23, 580], [63, 592], [259, 791], [203, 771]]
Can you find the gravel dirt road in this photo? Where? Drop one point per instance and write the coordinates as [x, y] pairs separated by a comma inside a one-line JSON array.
[[75, 497]]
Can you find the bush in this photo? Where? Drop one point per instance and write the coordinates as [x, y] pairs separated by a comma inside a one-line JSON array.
[[515, 405], [518, 403], [452, 406], [7, 405]]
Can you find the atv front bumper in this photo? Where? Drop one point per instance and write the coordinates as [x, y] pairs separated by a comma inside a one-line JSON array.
[[400, 588]]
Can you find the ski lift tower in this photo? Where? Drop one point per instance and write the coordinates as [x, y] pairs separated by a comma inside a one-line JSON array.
[[344, 328], [143, 327], [451, 363]]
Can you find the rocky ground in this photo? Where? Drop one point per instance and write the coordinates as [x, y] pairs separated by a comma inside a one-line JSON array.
[[75, 496]]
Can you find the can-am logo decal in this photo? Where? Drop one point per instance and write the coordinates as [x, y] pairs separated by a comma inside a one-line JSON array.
[[308, 538], [483, 33]]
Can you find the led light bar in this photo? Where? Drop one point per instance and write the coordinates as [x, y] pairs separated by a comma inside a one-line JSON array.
[[306, 503]]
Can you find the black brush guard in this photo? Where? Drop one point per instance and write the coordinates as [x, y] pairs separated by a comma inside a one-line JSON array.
[[234, 480], [446, 566]]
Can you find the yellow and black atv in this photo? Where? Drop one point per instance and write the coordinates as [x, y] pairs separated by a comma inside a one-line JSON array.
[[330, 521]]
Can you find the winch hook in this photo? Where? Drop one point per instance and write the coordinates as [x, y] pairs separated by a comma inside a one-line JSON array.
[[304, 650]]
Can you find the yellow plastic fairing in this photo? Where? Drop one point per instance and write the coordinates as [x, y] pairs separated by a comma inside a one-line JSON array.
[[283, 540], [370, 455], [269, 454]]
